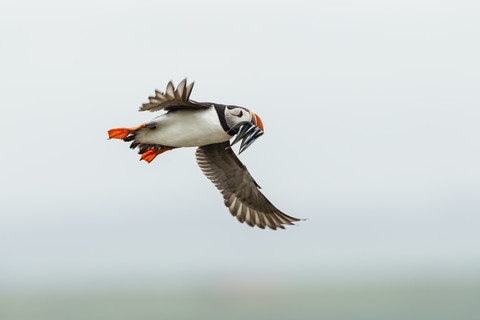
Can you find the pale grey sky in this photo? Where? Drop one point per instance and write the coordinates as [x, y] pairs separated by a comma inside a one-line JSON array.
[[371, 112]]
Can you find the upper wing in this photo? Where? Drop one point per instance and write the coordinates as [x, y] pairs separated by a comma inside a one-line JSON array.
[[172, 98], [238, 188]]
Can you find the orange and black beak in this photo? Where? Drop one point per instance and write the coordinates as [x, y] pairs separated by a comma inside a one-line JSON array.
[[248, 132], [258, 122]]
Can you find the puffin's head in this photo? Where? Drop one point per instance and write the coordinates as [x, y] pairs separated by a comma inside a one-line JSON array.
[[245, 124]]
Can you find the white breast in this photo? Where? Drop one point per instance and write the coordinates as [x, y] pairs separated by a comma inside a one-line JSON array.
[[185, 128]]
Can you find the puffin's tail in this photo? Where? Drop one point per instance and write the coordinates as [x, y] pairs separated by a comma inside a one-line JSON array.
[[147, 150]]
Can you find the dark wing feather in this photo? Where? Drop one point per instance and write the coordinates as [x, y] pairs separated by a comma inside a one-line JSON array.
[[172, 98], [240, 192]]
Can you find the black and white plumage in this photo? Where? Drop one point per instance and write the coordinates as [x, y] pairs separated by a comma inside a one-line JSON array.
[[208, 126]]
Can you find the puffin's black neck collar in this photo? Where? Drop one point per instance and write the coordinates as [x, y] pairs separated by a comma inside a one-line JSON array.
[[221, 116]]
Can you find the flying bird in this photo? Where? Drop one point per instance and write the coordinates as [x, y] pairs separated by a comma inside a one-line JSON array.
[[208, 126]]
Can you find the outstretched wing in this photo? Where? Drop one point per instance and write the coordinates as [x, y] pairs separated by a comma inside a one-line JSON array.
[[172, 98], [240, 192]]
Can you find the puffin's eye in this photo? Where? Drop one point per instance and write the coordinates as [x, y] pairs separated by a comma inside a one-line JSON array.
[[240, 114]]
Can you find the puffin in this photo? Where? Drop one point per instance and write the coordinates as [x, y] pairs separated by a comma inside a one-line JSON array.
[[209, 127]]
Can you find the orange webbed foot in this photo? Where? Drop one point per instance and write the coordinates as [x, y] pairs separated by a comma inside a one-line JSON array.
[[152, 153], [122, 133]]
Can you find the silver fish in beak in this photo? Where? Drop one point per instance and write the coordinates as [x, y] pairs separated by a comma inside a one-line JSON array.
[[247, 132]]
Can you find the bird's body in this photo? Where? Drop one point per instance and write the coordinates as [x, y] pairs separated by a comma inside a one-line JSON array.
[[184, 128], [208, 126]]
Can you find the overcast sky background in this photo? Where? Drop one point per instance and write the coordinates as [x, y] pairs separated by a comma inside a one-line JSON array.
[[371, 112]]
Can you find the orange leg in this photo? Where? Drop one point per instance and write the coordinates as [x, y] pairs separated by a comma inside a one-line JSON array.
[[122, 133], [152, 153]]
